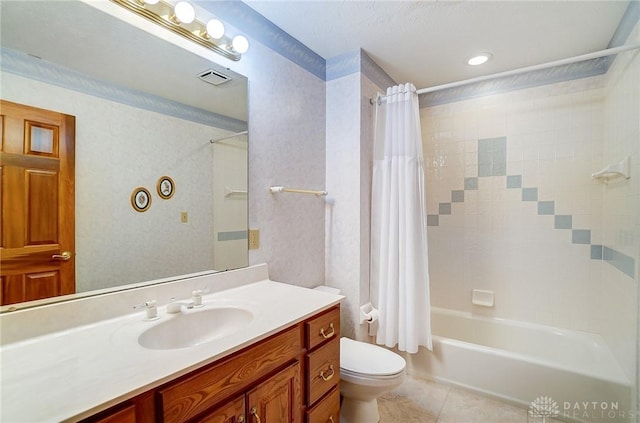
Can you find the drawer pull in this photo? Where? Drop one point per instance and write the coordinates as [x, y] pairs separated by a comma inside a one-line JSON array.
[[254, 412], [241, 418], [330, 419], [328, 335], [328, 377]]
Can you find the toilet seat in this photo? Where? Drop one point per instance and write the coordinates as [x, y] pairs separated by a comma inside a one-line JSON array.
[[362, 360]]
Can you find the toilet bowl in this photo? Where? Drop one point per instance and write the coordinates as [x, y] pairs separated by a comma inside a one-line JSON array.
[[366, 372]]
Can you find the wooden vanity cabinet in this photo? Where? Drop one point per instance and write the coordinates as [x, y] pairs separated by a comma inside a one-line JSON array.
[[274, 400], [322, 379], [290, 377]]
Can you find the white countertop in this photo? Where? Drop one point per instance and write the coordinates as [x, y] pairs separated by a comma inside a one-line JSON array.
[[74, 373]]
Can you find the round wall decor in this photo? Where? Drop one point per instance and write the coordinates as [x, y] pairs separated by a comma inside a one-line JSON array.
[[140, 199], [166, 187]]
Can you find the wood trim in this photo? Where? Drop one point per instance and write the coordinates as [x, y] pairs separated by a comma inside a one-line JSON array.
[[188, 398]]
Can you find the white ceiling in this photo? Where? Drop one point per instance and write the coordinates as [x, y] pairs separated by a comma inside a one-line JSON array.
[[428, 42]]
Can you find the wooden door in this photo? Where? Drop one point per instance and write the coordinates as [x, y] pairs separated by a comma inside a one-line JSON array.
[[277, 399], [37, 236]]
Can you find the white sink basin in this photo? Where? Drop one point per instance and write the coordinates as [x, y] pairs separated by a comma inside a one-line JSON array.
[[195, 327]]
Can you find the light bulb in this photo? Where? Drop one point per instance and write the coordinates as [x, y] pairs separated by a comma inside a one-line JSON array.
[[215, 28], [184, 12], [240, 44]]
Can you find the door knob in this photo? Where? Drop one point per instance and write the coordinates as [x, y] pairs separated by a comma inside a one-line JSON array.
[[66, 255]]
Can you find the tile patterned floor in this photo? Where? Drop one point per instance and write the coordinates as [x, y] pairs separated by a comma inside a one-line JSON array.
[[423, 401]]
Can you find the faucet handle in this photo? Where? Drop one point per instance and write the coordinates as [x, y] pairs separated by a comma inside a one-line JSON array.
[[196, 296], [150, 306]]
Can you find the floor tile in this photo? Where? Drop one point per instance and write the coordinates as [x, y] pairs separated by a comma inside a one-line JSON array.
[[398, 409], [466, 407]]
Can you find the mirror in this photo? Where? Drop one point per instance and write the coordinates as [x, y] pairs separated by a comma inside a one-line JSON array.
[[142, 113]]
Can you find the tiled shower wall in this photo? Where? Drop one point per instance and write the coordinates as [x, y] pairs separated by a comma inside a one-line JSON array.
[[499, 170], [513, 208]]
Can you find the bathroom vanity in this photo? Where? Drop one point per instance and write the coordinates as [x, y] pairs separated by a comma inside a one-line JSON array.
[[280, 366]]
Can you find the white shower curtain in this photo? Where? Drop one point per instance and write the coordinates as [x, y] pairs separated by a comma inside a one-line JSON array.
[[399, 264]]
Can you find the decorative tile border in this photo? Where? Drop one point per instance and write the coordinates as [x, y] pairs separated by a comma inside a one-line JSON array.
[[492, 150], [358, 61], [30, 67], [554, 75]]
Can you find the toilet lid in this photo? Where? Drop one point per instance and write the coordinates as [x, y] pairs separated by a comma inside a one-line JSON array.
[[367, 359]]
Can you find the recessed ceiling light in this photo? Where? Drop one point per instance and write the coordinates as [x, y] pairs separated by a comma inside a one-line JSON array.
[[479, 59]]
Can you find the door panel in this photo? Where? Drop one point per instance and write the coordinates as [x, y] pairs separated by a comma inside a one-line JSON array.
[[277, 399], [37, 163], [42, 207]]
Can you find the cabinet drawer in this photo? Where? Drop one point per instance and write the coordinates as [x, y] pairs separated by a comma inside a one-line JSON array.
[[327, 410], [186, 399], [323, 328], [323, 370]]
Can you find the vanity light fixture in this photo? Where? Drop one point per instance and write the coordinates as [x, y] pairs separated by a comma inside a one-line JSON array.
[[214, 29], [240, 44], [181, 19], [479, 59], [183, 12]]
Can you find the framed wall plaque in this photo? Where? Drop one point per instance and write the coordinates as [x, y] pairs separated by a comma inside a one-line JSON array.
[[141, 199], [166, 187]]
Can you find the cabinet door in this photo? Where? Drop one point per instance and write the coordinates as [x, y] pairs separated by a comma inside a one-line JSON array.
[[277, 399], [230, 412]]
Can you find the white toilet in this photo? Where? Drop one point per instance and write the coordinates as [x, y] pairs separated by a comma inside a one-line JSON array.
[[366, 372]]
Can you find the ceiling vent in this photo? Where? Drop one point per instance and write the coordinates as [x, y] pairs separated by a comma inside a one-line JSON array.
[[213, 77]]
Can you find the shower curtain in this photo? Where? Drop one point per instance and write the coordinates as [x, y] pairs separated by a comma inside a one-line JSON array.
[[399, 264]]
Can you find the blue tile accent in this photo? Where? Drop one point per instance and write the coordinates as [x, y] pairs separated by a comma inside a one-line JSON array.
[[620, 261], [457, 196], [529, 194], [260, 28], [596, 252], [492, 157], [563, 222], [41, 70], [232, 235], [581, 236], [546, 207], [471, 183], [514, 181], [444, 208], [433, 220]]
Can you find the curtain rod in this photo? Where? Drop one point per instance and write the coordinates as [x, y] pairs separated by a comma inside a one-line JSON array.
[[588, 56]]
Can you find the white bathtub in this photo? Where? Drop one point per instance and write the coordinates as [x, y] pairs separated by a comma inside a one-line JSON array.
[[520, 362]]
